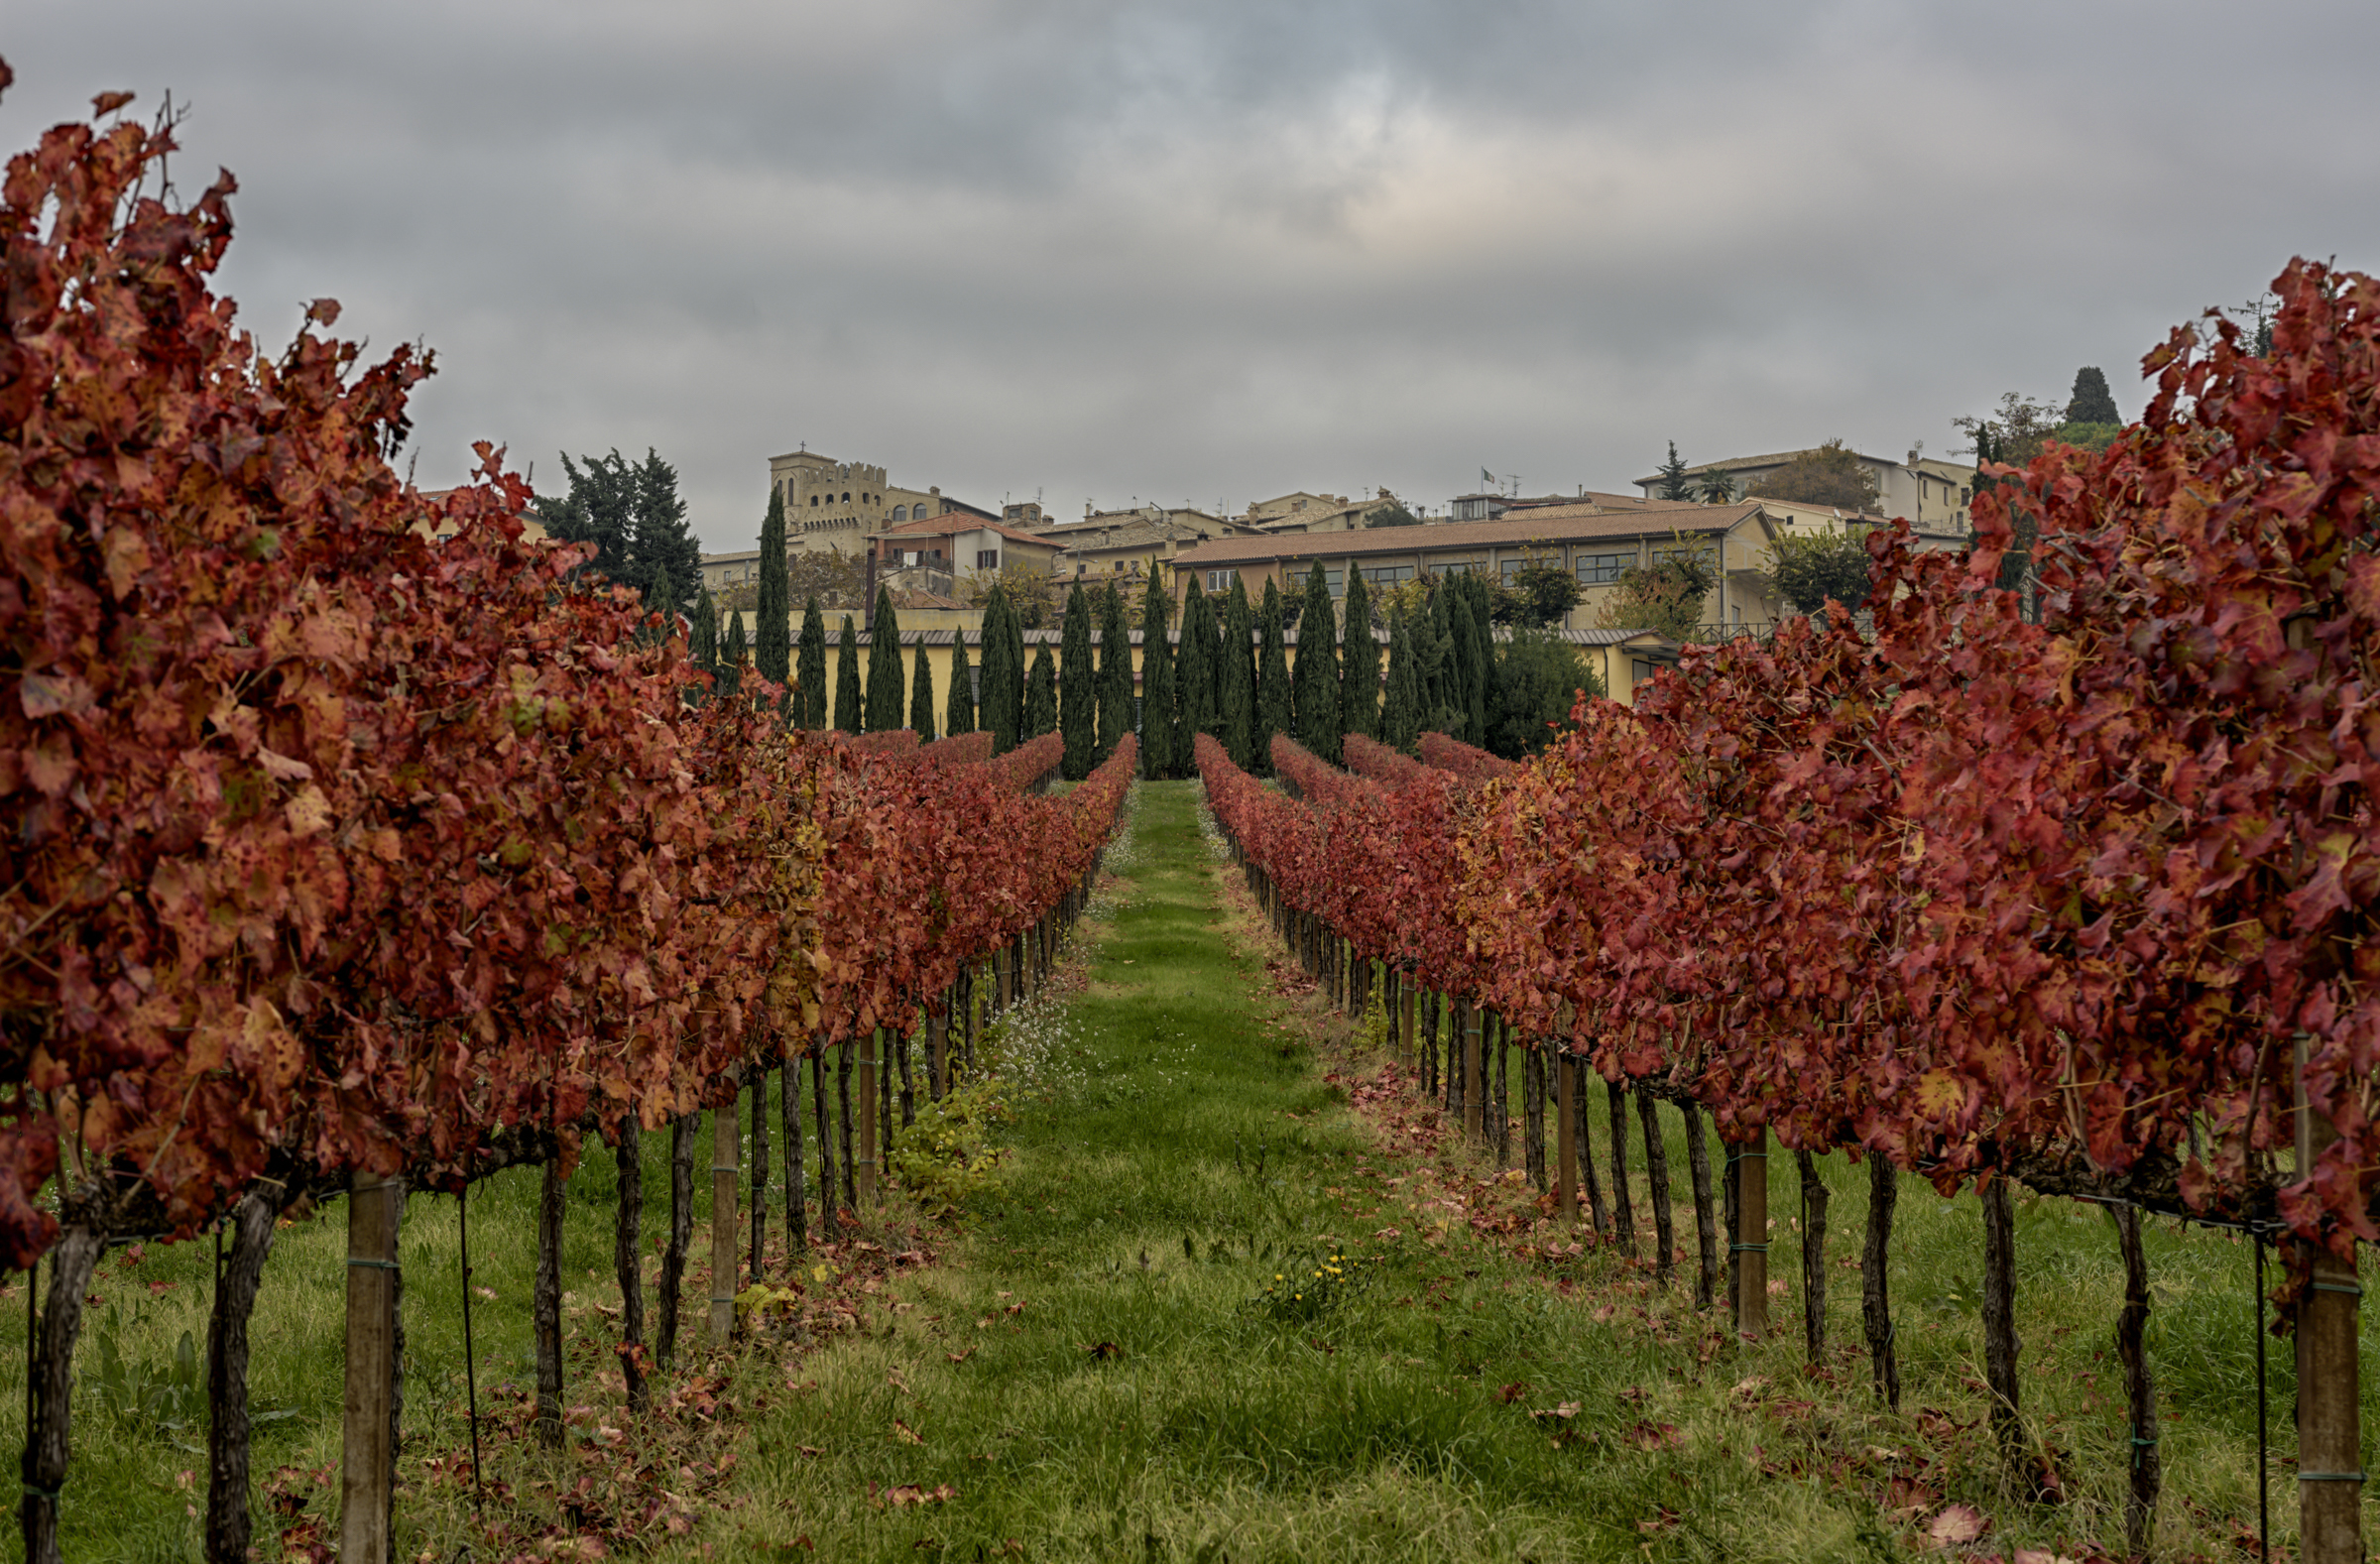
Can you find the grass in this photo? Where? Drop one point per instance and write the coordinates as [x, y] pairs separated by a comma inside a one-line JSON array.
[[1101, 1366]]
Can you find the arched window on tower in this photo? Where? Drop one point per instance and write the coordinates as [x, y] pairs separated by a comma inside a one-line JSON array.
[[901, 512], [846, 496]]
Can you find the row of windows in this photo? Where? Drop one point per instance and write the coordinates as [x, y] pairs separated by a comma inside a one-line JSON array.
[[1595, 569]]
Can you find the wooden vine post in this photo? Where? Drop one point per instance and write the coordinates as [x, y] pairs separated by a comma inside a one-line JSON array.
[[368, 1431], [725, 1156], [2329, 1431], [1751, 1240], [1408, 1038]]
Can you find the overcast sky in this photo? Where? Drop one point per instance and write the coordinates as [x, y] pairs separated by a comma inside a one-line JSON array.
[[1212, 251]]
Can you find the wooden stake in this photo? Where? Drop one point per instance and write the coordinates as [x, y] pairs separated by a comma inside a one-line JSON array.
[[367, 1448], [2329, 1387], [726, 1154], [1751, 1241], [682, 1132], [1624, 1209], [760, 1172]]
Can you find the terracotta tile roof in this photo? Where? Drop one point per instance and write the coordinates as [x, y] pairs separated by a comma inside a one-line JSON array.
[[1549, 524], [951, 523]]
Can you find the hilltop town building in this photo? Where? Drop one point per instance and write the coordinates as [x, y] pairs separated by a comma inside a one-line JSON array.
[[1933, 494]]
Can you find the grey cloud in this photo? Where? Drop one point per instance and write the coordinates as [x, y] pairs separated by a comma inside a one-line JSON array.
[[1217, 250]]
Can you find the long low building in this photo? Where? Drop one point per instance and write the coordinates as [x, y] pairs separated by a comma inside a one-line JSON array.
[[1595, 541]]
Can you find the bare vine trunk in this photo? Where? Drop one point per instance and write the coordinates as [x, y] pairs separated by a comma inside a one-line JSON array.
[[228, 1527], [628, 1259], [1598, 1216], [1814, 1258], [545, 1307], [682, 1131], [828, 1200], [1875, 1294], [1999, 1320], [1656, 1177], [70, 1261], [760, 1171], [2140, 1388], [1705, 1215], [1623, 1214], [1533, 1114], [798, 1205]]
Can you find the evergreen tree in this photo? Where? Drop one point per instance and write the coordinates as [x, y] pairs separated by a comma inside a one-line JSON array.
[[1318, 670], [704, 650], [1239, 683], [1194, 675], [1275, 708], [1002, 702], [600, 508], [1463, 675], [921, 697], [848, 715], [1017, 668], [1157, 695], [734, 657], [1675, 485], [1115, 672], [958, 713], [2092, 401], [1401, 717], [1485, 698], [807, 709], [660, 542], [1360, 680], [1434, 662], [662, 598], [1041, 695], [1078, 689], [773, 620], [884, 665]]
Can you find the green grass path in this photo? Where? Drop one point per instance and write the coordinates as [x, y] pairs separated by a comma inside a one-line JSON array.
[[1137, 1215]]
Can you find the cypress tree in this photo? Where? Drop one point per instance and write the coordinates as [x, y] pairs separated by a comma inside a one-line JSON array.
[[1114, 672], [958, 713], [1482, 630], [1318, 670], [1194, 675], [1157, 700], [921, 697], [1463, 673], [1239, 683], [1041, 695], [773, 621], [847, 716], [999, 707], [1400, 719], [660, 597], [1359, 682], [704, 651], [1274, 706], [733, 657], [884, 665], [1018, 667], [1078, 689], [809, 680], [1434, 644]]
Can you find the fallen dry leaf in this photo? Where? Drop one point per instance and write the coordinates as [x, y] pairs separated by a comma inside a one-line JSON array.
[[1956, 1526]]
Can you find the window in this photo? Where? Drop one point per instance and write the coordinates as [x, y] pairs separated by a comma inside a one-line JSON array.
[[1639, 670], [813, 501], [1221, 580], [1598, 569], [987, 558], [1335, 577], [1080, 571], [901, 512], [1388, 574], [1668, 552], [846, 496]]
